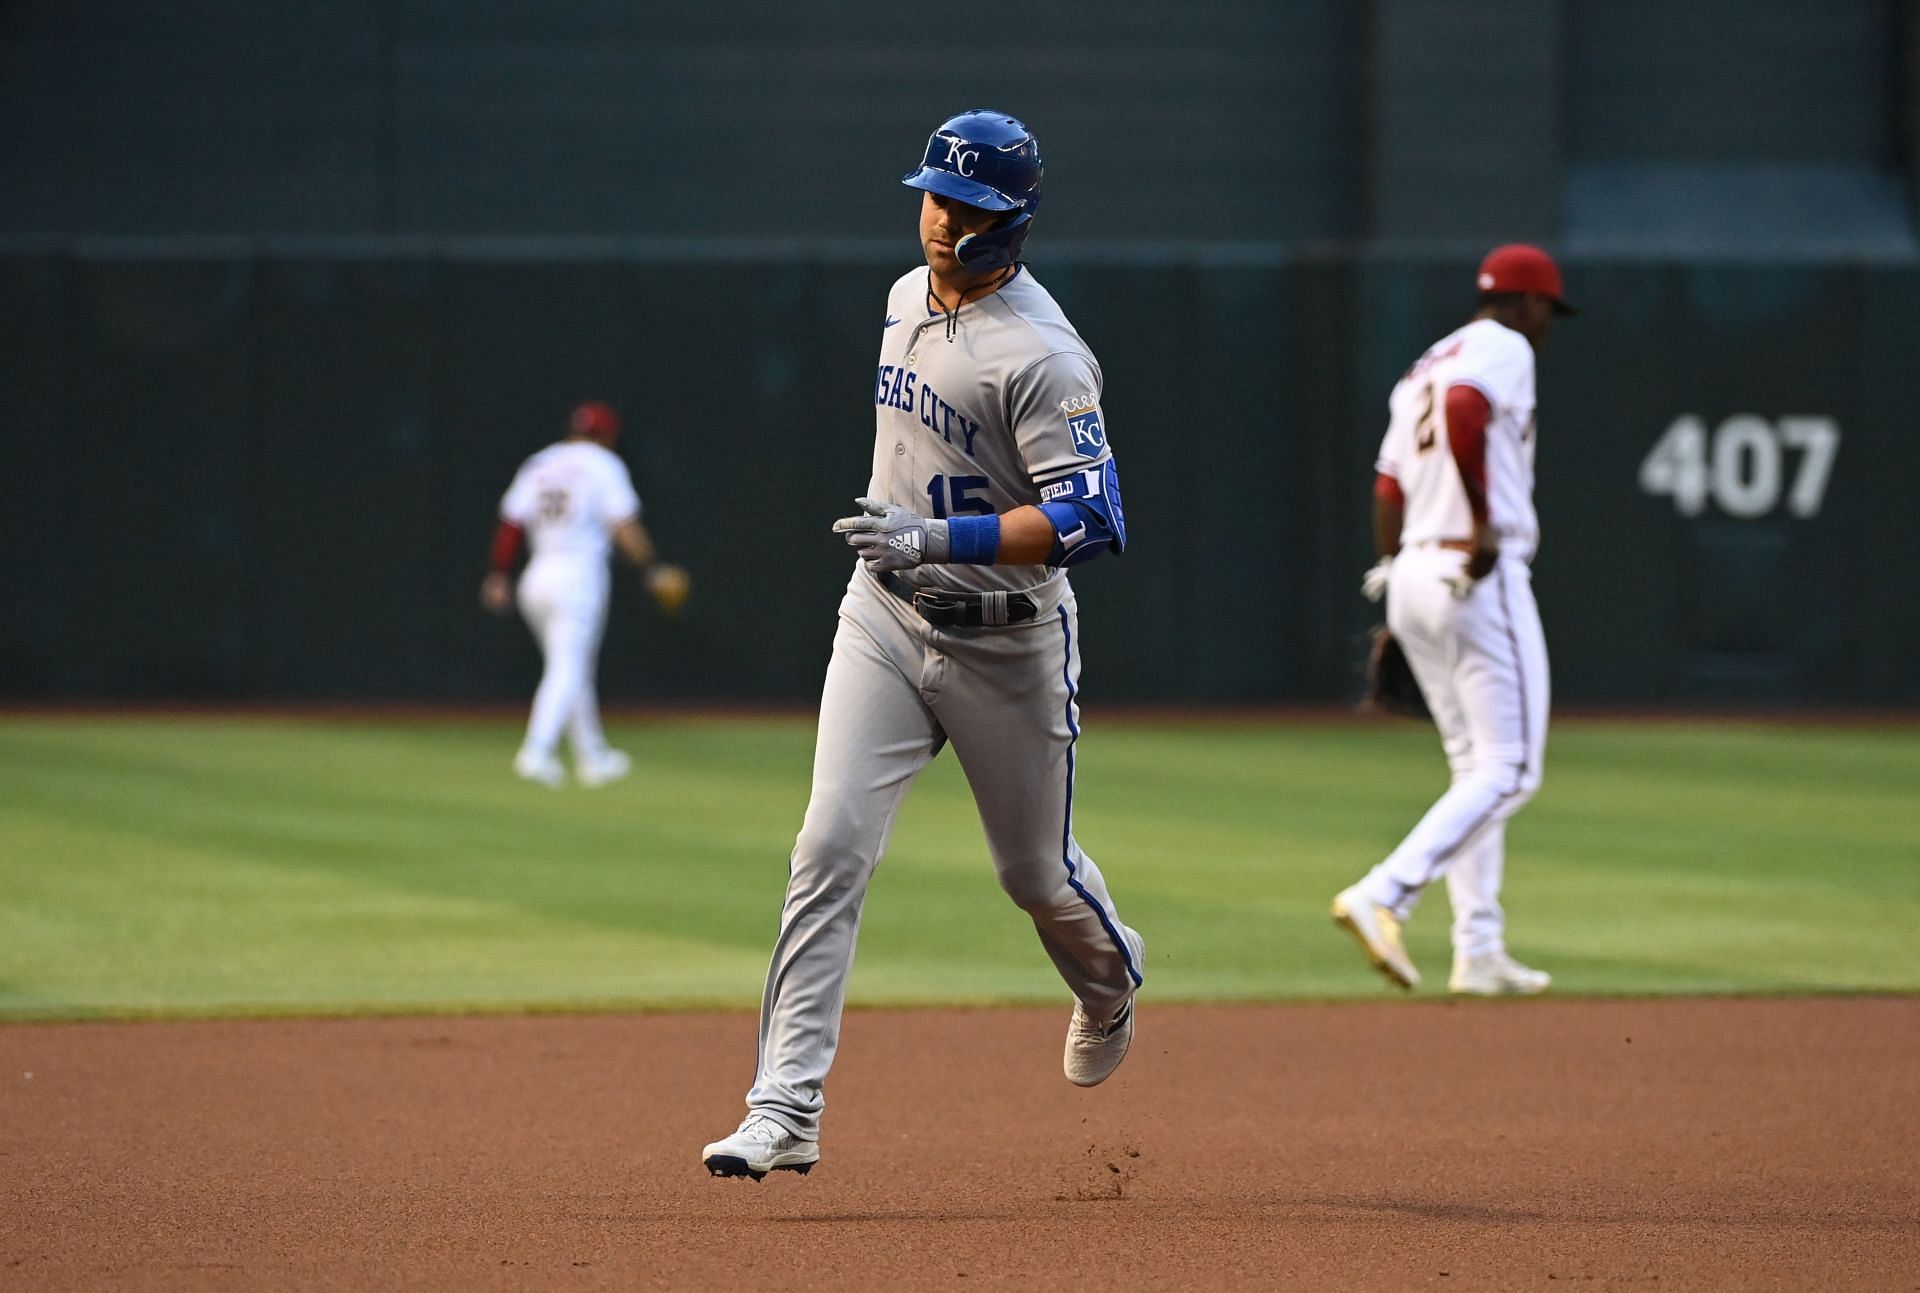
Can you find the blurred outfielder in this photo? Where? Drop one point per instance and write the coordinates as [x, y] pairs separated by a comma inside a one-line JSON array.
[[574, 501], [1455, 528]]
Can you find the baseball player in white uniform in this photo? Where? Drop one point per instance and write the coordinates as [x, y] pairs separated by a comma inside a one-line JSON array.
[[991, 473], [1455, 528], [574, 501]]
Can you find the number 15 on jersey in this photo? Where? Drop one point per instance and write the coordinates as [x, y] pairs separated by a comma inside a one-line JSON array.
[[959, 496]]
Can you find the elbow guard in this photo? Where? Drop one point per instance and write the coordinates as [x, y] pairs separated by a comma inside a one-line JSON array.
[[1086, 515]]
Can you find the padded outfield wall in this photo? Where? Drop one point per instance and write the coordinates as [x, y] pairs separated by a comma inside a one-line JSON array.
[[241, 472]]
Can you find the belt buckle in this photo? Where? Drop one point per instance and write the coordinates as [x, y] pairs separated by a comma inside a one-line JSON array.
[[937, 608]]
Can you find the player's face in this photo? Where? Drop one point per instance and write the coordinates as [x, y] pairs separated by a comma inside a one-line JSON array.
[[1537, 319], [944, 222]]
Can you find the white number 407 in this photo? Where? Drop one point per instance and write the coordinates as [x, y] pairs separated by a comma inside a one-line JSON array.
[[1739, 464]]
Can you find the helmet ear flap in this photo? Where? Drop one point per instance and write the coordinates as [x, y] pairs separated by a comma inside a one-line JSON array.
[[997, 247]]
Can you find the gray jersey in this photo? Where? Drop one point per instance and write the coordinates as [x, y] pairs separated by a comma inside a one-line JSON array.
[[984, 422]]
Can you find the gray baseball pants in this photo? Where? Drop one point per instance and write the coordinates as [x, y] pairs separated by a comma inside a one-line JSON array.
[[898, 689]]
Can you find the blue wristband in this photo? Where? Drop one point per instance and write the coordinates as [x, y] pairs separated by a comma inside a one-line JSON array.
[[973, 540]]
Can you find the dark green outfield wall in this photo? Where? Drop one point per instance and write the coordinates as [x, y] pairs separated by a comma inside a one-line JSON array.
[[257, 475]]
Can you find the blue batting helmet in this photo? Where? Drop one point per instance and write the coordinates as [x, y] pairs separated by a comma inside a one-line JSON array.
[[991, 161]]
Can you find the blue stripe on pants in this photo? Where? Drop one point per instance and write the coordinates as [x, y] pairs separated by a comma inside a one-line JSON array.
[[1066, 826]]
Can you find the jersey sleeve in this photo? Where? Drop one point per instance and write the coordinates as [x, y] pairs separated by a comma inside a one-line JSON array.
[[1395, 449], [618, 501], [1499, 365], [517, 505], [1467, 413], [1053, 406]]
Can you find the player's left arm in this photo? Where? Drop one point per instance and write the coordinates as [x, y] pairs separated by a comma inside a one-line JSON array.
[[1468, 413], [668, 584], [1075, 526], [1060, 429], [635, 542], [1054, 410], [1027, 536]]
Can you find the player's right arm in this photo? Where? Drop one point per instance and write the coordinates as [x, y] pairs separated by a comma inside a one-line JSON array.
[[1389, 504], [496, 590], [1389, 514], [516, 511]]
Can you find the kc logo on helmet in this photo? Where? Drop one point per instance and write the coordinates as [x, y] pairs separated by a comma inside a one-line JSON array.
[[961, 162]]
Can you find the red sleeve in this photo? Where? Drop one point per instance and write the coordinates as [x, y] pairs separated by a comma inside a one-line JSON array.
[[1467, 414], [506, 546], [1387, 490]]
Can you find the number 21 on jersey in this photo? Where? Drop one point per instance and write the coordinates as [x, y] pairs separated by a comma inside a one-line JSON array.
[[1426, 431]]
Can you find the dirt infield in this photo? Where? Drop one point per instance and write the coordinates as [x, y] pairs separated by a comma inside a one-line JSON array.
[[1671, 1144]]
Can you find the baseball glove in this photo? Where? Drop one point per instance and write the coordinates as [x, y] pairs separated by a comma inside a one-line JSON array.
[[669, 587], [1390, 682]]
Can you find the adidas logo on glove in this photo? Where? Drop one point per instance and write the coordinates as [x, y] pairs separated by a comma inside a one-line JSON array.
[[907, 541]]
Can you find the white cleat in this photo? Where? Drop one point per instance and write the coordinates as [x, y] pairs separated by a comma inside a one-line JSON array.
[[544, 769], [761, 1145], [1496, 975], [1095, 1049], [609, 765], [1377, 930]]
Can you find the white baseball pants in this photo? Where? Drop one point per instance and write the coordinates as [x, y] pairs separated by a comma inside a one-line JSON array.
[[1481, 663], [565, 604]]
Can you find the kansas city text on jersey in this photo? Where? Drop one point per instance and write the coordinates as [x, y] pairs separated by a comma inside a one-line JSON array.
[[901, 388]]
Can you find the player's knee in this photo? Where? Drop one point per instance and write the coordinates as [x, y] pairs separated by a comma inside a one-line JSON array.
[[831, 850], [1511, 780], [1530, 776], [829, 874], [1515, 781], [1033, 889]]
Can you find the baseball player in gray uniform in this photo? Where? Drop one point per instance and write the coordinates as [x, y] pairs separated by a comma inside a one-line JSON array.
[[991, 474]]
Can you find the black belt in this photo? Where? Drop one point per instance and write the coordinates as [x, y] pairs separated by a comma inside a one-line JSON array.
[[946, 609]]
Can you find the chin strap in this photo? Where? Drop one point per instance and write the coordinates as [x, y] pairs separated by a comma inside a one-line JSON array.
[[952, 317]]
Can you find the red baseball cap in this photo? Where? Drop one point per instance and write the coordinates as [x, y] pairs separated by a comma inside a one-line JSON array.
[[1521, 267], [596, 421]]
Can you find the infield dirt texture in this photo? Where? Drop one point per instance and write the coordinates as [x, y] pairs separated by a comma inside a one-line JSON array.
[[1584, 1144], [168, 867]]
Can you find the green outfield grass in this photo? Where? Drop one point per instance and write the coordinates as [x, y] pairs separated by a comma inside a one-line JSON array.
[[237, 865]]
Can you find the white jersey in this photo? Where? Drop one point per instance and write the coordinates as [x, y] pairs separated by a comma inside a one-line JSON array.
[[569, 498], [1498, 362]]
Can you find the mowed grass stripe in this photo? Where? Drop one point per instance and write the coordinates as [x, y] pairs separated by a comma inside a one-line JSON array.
[[206, 864]]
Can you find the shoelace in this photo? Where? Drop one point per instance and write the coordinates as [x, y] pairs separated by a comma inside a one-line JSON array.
[[1087, 1029], [761, 1127]]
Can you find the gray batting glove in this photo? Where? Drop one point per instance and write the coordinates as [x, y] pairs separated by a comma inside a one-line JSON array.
[[889, 537]]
